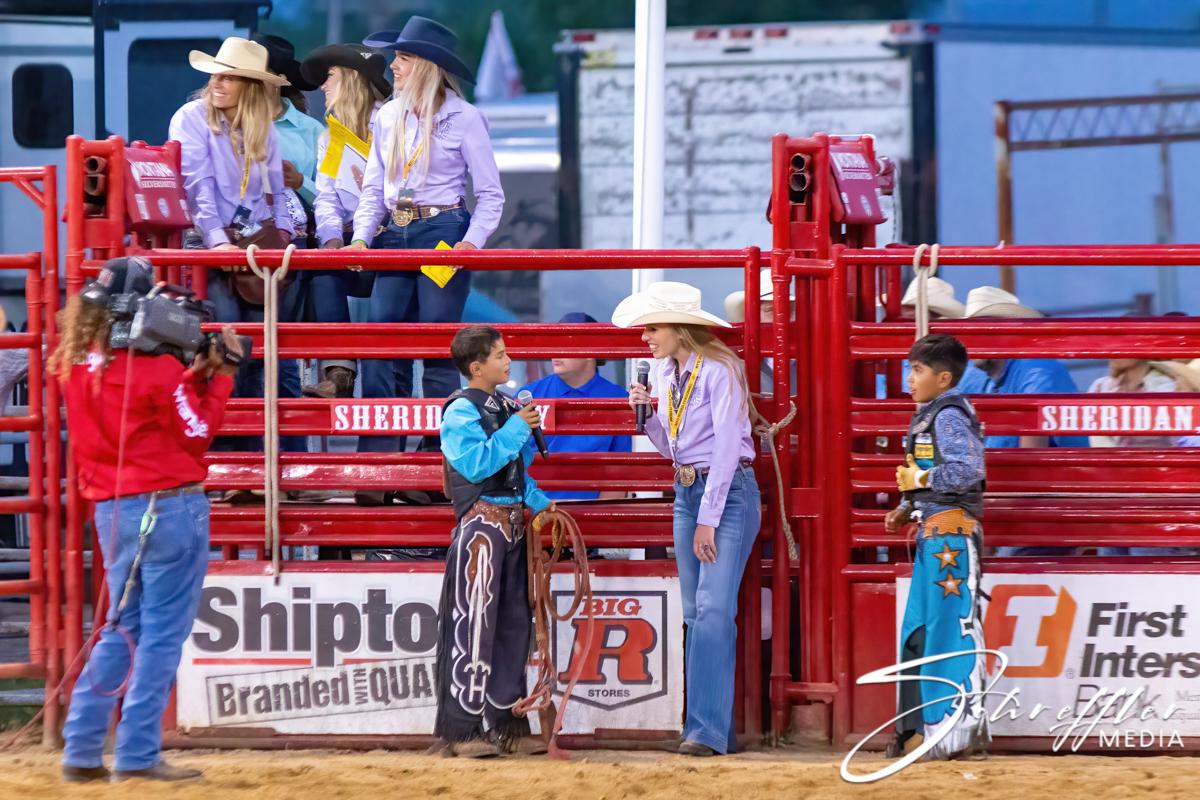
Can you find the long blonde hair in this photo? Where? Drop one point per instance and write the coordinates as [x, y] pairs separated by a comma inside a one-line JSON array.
[[423, 94], [354, 101], [701, 341], [250, 128], [83, 327]]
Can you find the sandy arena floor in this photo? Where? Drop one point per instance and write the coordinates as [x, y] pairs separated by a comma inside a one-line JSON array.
[[33, 774]]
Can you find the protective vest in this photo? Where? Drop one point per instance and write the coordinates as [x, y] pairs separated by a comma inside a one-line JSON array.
[[509, 481], [922, 445]]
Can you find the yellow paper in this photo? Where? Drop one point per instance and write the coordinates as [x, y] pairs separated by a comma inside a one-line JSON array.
[[340, 138], [440, 273]]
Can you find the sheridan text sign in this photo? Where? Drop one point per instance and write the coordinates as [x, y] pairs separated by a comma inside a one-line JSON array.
[[1118, 418], [401, 417]]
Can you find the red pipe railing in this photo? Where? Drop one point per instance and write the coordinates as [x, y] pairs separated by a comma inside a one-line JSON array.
[[43, 424]]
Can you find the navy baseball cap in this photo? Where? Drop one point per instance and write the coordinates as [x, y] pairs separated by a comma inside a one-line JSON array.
[[577, 316]]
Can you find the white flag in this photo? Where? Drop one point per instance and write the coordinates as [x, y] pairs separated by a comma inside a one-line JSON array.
[[499, 76]]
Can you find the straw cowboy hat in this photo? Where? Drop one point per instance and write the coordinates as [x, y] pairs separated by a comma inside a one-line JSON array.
[[735, 302], [424, 38], [988, 301], [664, 302], [240, 57], [373, 66], [941, 299]]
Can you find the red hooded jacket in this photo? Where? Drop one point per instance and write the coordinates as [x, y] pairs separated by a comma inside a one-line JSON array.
[[170, 420]]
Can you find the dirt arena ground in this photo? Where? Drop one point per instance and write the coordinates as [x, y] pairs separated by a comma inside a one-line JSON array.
[[33, 774]]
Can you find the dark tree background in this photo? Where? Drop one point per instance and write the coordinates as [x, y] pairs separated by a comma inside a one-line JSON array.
[[534, 25]]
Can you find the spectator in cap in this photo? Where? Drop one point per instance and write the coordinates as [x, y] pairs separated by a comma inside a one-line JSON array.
[[580, 378]]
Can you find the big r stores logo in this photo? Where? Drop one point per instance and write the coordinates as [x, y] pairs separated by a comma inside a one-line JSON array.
[[622, 658]]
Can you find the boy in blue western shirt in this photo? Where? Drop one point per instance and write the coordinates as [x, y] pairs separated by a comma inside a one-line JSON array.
[[579, 378], [485, 623], [942, 482]]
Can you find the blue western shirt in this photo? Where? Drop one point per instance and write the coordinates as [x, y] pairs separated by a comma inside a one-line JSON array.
[[551, 387], [1023, 376], [477, 456]]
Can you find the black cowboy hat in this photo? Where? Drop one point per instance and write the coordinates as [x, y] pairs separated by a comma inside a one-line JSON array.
[[373, 66], [281, 59], [426, 39]]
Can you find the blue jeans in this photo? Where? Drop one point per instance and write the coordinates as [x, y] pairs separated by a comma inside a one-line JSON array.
[[329, 300], [710, 603], [409, 296], [229, 307], [158, 616]]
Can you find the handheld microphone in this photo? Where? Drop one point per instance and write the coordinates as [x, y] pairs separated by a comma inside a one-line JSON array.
[[525, 397], [643, 379]]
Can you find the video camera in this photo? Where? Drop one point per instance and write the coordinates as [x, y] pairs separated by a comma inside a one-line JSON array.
[[157, 319]]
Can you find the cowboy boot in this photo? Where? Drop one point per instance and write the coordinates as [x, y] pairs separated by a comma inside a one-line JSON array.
[[339, 382]]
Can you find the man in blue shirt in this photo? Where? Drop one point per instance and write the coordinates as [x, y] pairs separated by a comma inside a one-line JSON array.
[[579, 378], [1016, 376]]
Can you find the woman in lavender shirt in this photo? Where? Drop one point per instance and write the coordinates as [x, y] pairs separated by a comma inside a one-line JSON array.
[[426, 141], [703, 425]]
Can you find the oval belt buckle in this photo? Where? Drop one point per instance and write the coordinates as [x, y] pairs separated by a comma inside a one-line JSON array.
[[687, 474], [402, 216]]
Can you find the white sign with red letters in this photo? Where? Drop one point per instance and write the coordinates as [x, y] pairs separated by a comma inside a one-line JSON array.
[[352, 652]]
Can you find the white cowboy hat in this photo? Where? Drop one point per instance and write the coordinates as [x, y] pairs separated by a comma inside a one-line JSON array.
[[664, 302], [240, 57], [941, 298], [735, 302], [989, 301]]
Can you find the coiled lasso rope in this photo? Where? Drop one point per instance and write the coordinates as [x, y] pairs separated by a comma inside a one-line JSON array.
[[564, 532]]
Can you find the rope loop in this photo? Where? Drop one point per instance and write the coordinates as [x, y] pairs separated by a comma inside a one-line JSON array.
[[922, 275], [766, 431]]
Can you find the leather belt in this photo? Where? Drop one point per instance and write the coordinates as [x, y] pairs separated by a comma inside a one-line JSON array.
[[954, 521], [404, 215], [686, 474], [178, 491]]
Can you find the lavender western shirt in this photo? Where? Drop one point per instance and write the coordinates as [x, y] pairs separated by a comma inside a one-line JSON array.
[[333, 208], [212, 176], [717, 404], [460, 145]]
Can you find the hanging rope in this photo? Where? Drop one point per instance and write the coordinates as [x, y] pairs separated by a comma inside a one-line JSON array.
[[564, 532], [766, 432], [923, 273], [271, 282]]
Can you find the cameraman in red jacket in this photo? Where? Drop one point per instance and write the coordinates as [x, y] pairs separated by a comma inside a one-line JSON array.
[[140, 425]]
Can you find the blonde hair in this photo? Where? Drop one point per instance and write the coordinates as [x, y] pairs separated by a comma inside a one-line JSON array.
[[82, 327], [250, 128], [423, 94], [353, 101], [701, 341]]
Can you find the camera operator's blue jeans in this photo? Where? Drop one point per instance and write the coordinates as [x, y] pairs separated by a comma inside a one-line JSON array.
[[409, 296], [248, 382], [158, 616], [710, 603]]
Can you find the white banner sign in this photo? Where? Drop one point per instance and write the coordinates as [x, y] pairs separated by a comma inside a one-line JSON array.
[[353, 653], [1075, 642]]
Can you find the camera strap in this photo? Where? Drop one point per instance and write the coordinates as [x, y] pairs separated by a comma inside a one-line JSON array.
[[148, 524]]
